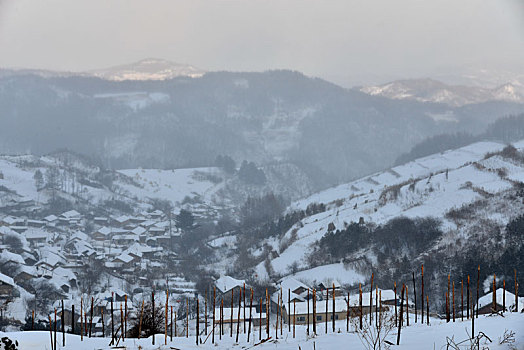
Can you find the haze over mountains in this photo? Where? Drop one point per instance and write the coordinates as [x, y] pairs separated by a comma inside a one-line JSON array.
[[172, 116]]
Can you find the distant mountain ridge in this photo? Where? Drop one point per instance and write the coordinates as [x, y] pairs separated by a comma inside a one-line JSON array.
[[146, 69], [430, 90]]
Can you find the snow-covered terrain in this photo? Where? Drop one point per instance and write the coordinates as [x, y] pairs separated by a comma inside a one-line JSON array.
[[430, 186], [415, 337], [429, 90]]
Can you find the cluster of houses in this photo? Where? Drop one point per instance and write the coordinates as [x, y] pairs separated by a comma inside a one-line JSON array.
[[61, 249]]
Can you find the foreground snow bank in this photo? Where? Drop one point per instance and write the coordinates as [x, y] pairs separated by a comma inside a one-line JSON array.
[[417, 336]]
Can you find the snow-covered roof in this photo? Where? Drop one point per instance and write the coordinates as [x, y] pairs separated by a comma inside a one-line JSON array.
[[51, 218], [125, 258], [226, 283], [71, 214], [510, 299], [138, 230], [7, 280], [7, 256]]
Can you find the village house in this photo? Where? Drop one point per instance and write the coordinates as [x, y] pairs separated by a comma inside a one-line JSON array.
[[485, 304], [7, 285]]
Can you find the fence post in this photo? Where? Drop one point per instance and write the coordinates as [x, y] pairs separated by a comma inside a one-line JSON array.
[[422, 290], [238, 315], [250, 314], [371, 300], [478, 286], [360, 304], [401, 314], [415, 296], [140, 321], [213, 327]]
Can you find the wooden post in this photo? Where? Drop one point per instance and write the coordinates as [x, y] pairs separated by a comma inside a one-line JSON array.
[[395, 292], [153, 314], [503, 295], [122, 322], [62, 317], [221, 318], [371, 300], [289, 308], [167, 308], [244, 306], [347, 314], [360, 304], [231, 315], [260, 320], [448, 318], [376, 306], [415, 296], [289, 312], [91, 317], [281, 309], [124, 333], [250, 314], [72, 319], [333, 313], [81, 319], [267, 314], [102, 320], [494, 295], [427, 309], [276, 325], [294, 316], [327, 306], [171, 325], [422, 290], [407, 306], [314, 311], [478, 286], [380, 309], [176, 334], [401, 314], [140, 320], [112, 320], [238, 315], [33, 319], [55, 332], [516, 292], [472, 318], [51, 331], [453, 298], [213, 328], [462, 300], [187, 318], [197, 321], [205, 314], [467, 299]]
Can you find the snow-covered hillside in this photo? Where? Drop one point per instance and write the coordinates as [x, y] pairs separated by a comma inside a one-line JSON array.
[[429, 90], [428, 187]]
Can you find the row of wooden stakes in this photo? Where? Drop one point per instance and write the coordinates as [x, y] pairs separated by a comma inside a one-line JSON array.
[[119, 334]]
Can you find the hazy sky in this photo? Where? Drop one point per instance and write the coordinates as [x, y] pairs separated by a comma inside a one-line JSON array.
[[337, 39]]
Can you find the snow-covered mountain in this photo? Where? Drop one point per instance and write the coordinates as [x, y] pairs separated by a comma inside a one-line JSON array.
[[429, 90], [148, 69]]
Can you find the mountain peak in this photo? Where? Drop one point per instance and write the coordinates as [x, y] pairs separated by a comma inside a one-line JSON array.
[[149, 69]]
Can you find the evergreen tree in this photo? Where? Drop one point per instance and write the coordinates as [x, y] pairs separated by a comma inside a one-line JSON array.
[[185, 220], [39, 180]]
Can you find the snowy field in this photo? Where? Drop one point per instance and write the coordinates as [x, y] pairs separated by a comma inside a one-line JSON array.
[[416, 336]]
